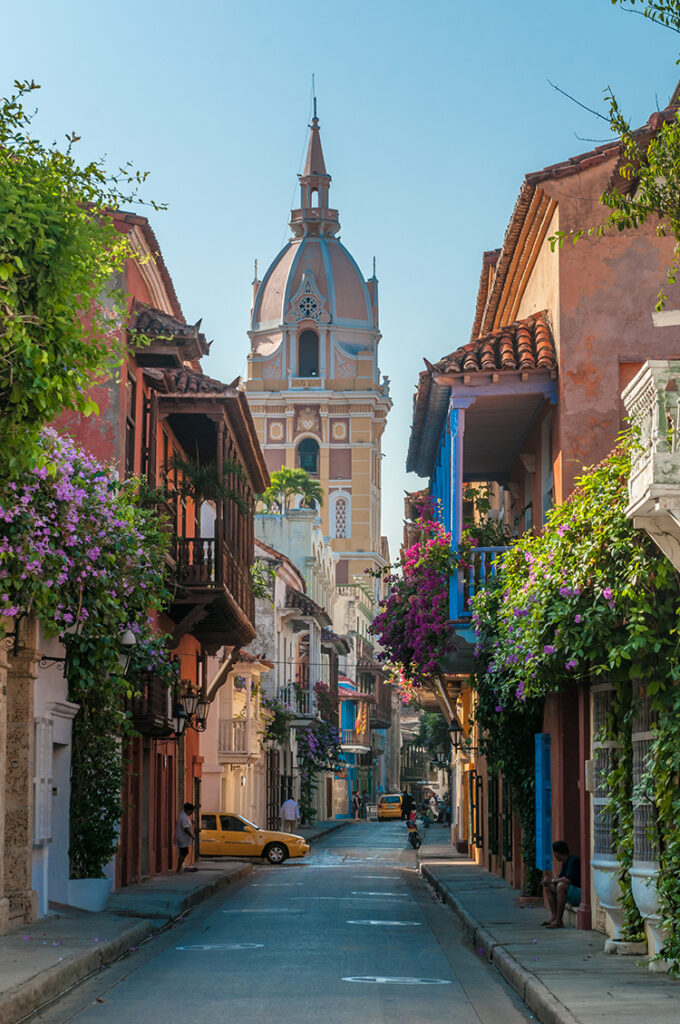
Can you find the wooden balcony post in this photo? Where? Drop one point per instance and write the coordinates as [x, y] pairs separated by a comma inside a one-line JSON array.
[[219, 517]]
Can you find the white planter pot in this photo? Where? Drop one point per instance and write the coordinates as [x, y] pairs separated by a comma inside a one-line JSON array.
[[606, 870], [643, 879], [89, 893]]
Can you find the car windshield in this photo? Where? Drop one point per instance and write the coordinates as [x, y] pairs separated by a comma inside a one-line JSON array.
[[251, 823], [390, 799]]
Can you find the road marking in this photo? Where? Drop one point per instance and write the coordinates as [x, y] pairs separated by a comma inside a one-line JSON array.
[[368, 980], [368, 892], [225, 945], [264, 910], [342, 899], [398, 924]]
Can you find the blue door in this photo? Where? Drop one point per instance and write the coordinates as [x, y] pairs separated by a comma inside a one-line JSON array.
[[544, 856]]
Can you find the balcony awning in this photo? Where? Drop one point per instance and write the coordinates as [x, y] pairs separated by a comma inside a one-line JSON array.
[[306, 606], [338, 643], [503, 381], [356, 695]]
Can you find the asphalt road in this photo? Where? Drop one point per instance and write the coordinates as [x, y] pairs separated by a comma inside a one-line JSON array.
[[350, 935]]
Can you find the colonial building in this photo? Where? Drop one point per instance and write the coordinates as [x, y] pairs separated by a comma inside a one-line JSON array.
[[313, 383], [532, 398]]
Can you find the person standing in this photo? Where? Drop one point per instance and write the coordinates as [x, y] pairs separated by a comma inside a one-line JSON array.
[[184, 835], [356, 804], [363, 809], [407, 805], [290, 814]]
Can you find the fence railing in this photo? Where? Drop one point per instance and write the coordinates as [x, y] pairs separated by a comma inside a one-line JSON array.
[[352, 738], [483, 566], [300, 700]]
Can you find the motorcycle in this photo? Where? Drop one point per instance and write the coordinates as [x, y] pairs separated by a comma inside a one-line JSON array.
[[414, 836]]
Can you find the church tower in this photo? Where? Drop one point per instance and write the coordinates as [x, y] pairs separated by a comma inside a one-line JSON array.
[[313, 384]]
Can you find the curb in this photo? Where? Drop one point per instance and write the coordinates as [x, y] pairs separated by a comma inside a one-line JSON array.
[[174, 908], [22, 1000], [48, 985], [528, 987]]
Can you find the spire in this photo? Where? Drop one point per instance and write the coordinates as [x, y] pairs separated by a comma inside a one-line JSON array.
[[314, 216], [314, 164]]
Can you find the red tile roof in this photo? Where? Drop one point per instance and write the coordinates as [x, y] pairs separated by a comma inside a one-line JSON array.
[[193, 382], [525, 345]]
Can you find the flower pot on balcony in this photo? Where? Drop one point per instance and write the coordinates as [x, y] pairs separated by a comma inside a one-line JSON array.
[[89, 893]]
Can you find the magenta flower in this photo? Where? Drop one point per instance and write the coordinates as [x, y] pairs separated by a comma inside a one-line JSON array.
[[607, 594], [548, 649]]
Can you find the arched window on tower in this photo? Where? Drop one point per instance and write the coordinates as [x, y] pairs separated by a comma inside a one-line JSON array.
[[308, 354], [308, 456], [315, 198]]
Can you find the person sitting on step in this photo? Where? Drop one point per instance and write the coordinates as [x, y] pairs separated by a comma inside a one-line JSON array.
[[565, 888]]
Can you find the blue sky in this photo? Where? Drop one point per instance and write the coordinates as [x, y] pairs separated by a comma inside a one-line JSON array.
[[430, 117]]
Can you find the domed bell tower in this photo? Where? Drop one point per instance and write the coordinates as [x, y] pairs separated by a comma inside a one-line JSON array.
[[313, 384]]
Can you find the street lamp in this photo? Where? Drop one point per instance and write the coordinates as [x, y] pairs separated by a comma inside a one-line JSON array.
[[457, 734], [127, 642], [190, 709]]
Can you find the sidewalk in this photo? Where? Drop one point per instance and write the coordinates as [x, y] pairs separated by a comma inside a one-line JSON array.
[[40, 961], [564, 976]]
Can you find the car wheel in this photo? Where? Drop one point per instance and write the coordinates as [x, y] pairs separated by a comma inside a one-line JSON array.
[[276, 853]]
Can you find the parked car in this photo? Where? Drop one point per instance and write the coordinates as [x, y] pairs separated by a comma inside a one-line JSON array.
[[389, 806], [231, 835]]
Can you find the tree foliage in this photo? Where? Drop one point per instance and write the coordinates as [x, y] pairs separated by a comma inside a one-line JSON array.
[[60, 257], [648, 185], [286, 484]]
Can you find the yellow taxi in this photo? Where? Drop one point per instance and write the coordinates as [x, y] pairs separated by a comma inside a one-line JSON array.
[[232, 835], [389, 806]]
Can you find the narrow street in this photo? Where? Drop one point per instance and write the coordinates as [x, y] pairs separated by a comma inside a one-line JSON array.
[[351, 934]]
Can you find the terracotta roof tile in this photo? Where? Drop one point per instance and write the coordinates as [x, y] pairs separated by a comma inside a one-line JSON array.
[[193, 382], [524, 345]]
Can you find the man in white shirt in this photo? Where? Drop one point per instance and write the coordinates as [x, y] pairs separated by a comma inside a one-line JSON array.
[[290, 814], [184, 835]]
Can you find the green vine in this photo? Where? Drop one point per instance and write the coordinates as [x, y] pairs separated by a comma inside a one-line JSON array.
[[590, 599], [619, 782]]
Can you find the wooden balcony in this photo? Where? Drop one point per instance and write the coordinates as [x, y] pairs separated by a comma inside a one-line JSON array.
[[151, 711], [213, 592], [355, 742], [483, 567]]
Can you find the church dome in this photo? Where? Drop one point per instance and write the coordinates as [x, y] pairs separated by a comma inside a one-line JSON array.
[[314, 277]]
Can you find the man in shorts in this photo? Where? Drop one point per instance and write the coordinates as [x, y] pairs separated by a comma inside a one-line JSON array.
[[184, 835], [566, 888]]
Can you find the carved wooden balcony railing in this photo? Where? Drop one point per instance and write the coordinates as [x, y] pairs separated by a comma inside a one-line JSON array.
[[209, 569]]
